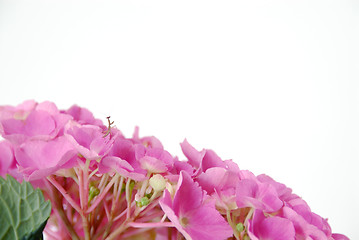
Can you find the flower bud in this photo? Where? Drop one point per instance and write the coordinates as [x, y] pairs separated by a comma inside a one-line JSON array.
[[143, 202], [240, 227], [158, 182], [93, 192]]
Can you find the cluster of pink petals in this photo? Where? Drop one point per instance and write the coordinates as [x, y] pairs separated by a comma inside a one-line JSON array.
[[105, 186]]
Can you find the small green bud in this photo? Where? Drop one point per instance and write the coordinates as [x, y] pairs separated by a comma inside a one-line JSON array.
[[149, 195], [240, 227], [143, 202], [93, 192]]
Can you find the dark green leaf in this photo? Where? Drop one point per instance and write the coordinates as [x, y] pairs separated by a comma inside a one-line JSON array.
[[23, 210], [37, 234]]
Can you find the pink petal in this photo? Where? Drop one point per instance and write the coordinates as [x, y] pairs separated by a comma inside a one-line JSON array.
[[263, 196], [7, 160], [271, 228], [88, 140], [191, 216], [337, 236], [205, 223], [183, 201], [152, 164], [194, 157], [212, 179], [42, 158], [39, 123], [83, 116], [116, 163], [210, 160], [167, 207]]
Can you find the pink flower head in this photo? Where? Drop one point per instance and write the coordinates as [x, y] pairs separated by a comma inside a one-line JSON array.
[[191, 215], [179, 166], [83, 116], [31, 121], [284, 193], [115, 164], [154, 160], [38, 159], [122, 159], [203, 160], [262, 196], [21, 111], [89, 140], [271, 228], [217, 179], [303, 229], [150, 141], [194, 157]]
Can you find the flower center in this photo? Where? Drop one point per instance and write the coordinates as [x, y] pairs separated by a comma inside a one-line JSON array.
[[184, 221]]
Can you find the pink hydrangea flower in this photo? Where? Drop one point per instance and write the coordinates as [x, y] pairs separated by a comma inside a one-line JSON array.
[[270, 228], [191, 215], [39, 159], [89, 140], [21, 111], [105, 186], [111, 164], [146, 141], [303, 229], [262, 196], [154, 160], [31, 121], [83, 116], [123, 150], [194, 157]]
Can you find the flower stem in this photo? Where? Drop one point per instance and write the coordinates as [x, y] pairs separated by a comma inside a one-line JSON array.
[[232, 224], [118, 231], [150, 225], [59, 208], [82, 175], [115, 200], [128, 197], [65, 194], [100, 197]]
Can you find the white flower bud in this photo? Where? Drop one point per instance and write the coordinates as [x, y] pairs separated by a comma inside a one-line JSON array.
[[158, 182]]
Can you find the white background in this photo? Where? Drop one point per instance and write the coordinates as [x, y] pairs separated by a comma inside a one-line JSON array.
[[273, 85]]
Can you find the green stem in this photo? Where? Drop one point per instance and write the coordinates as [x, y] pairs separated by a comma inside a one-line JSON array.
[[232, 224]]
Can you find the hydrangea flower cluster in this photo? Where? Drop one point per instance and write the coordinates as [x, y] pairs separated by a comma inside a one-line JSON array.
[[103, 185]]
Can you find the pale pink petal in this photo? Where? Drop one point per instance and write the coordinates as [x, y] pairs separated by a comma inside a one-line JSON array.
[[83, 116], [40, 158], [7, 160], [152, 164], [39, 123]]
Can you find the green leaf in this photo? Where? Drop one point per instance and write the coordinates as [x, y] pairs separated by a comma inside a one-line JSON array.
[[37, 234], [24, 211]]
